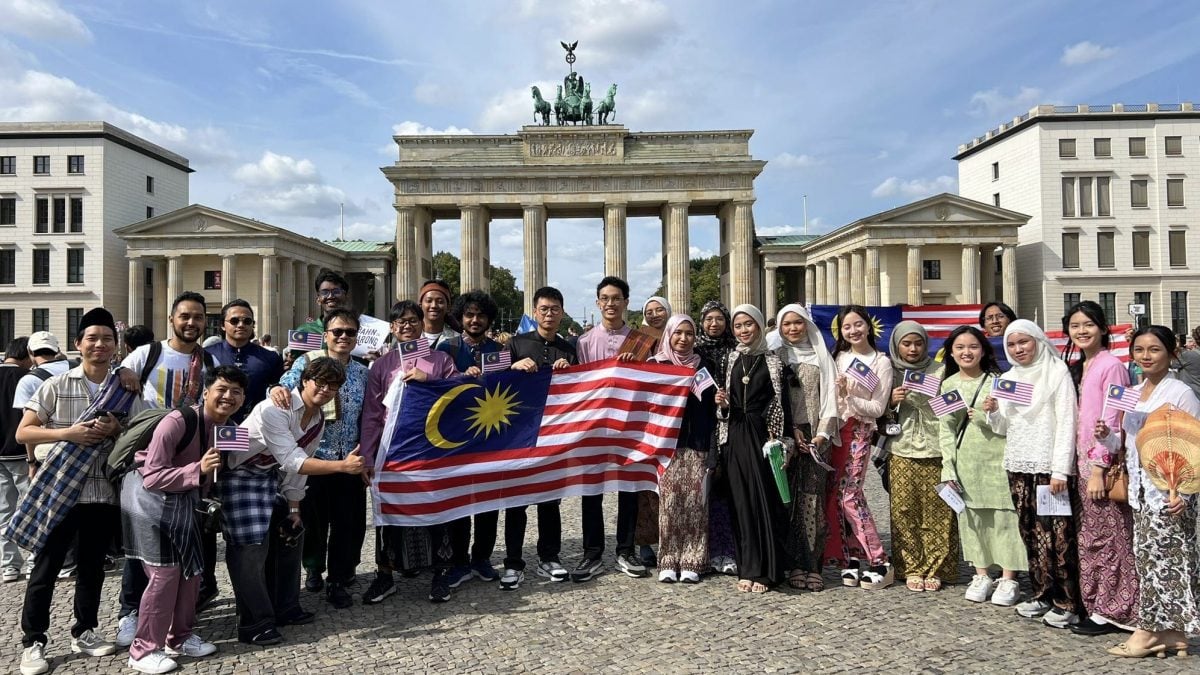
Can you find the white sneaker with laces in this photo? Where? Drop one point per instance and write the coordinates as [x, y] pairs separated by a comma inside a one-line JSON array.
[[1032, 609], [92, 645], [1060, 618], [155, 662], [689, 577], [980, 588], [1008, 591], [511, 579], [668, 576], [10, 573], [33, 660], [194, 646], [126, 629], [553, 571]]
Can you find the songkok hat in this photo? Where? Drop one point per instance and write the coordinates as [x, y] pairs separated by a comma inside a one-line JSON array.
[[97, 317]]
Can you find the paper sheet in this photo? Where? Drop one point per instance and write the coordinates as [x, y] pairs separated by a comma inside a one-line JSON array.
[[1049, 504], [951, 497]]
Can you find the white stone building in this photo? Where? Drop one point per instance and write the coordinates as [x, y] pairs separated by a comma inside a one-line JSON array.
[[64, 188], [1111, 192]]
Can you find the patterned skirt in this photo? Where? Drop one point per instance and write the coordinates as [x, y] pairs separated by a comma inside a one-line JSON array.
[[924, 531], [1108, 580], [683, 514], [807, 528], [1168, 563], [160, 528]]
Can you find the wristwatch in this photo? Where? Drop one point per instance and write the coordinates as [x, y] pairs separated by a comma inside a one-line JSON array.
[[293, 509], [33, 461]]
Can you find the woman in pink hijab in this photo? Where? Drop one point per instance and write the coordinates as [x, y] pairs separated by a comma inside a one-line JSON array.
[[683, 512]]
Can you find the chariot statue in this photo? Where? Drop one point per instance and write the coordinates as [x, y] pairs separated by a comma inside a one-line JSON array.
[[573, 100]]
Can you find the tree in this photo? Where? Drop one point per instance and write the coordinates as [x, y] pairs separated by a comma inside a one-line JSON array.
[[504, 291], [705, 277]]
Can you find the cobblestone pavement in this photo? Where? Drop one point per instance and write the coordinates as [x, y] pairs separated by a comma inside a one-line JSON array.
[[618, 624]]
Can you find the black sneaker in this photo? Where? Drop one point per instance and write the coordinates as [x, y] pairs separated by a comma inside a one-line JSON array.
[[266, 638], [586, 570], [313, 583], [380, 589], [439, 590], [338, 596], [631, 565], [297, 617]]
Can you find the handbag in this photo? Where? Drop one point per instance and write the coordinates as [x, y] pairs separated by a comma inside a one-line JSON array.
[[1116, 478]]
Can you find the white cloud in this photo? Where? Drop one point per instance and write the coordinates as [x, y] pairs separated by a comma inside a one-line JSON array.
[[1085, 52], [992, 103], [914, 189], [300, 68], [409, 128], [274, 170], [786, 160], [281, 186], [696, 253], [511, 109], [41, 19], [778, 230], [610, 30]]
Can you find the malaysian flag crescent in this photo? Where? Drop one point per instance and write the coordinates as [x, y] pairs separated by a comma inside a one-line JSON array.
[[1020, 393], [921, 382], [1122, 398], [947, 403], [231, 439], [496, 361], [460, 446], [305, 342], [862, 373]]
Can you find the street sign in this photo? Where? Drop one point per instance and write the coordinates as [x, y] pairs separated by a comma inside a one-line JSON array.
[[1137, 309]]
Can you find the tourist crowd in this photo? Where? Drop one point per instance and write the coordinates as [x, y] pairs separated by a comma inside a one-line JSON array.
[[103, 457]]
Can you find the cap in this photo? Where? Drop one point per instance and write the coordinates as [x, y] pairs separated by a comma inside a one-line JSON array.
[[43, 340]]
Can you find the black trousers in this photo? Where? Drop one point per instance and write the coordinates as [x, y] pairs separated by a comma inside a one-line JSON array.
[[334, 511], [265, 577], [593, 524], [549, 542], [485, 538], [95, 525]]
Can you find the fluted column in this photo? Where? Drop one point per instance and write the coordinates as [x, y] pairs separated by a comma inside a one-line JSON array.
[[228, 278], [810, 284], [615, 251], [857, 286], [874, 291], [304, 293], [820, 286], [914, 274], [408, 258], [287, 289], [987, 273], [675, 227], [267, 320], [310, 308], [770, 291], [741, 254], [381, 296], [174, 280], [137, 286], [534, 221], [843, 279], [472, 274], [831, 281], [1008, 275], [970, 274]]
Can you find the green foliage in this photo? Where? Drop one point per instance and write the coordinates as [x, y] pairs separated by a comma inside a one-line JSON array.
[[705, 275], [504, 290]]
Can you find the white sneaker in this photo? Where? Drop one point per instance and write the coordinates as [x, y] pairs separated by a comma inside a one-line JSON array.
[[980, 589], [10, 573], [1060, 618], [155, 662], [194, 646], [511, 579], [126, 629], [33, 662], [1008, 591], [668, 576], [553, 571], [92, 645], [689, 577], [1032, 609]]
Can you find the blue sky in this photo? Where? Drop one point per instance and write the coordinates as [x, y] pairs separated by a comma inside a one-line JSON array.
[[287, 109]]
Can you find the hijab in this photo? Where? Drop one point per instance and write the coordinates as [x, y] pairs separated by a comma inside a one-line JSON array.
[[709, 346], [668, 355], [660, 300], [759, 346], [1045, 373], [902, 329], [811, 350]]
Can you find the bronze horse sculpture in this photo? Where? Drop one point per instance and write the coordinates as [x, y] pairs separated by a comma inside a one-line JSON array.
[[608, 105], [540, 107]]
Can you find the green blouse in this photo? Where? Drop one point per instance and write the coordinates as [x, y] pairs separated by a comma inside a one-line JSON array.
[[977, 464], [918, 437]]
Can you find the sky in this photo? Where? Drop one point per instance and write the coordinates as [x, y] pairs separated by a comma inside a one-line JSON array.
[[286, 110]]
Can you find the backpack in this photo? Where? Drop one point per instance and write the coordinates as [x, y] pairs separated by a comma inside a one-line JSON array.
[[42, 374], [156, 353], [137, 435]]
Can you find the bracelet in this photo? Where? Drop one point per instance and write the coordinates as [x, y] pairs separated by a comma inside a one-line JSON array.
[[293, 509], [33, 461]]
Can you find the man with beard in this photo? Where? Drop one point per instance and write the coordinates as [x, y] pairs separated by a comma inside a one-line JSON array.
[[333, 292], [434, 299], [475, 312]]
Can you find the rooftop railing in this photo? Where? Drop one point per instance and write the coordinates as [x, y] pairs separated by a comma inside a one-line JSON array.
[[1053, 110]]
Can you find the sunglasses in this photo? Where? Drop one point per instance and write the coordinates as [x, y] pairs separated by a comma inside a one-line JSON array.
[[240, 321], [331, 293], [343, 332]]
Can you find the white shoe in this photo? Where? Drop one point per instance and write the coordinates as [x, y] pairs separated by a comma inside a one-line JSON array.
[[155, 662], [553, 571], [92, 645], [1032, 609], [689, 577], [10, 573], [126, 630], [1060, 618], [511, 579], [980, 589], [33, 661], [1008, 591], [194, 646], [668, 576]]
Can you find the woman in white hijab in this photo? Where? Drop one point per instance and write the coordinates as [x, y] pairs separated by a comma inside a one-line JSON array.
[[811, 377], [1040, 451], [655, 313]]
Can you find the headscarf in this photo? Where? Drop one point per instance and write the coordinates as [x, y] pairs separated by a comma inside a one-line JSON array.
[[668, 355], [759, 346], [908, 327], [1045, 373], [812, 351], [725, 341], [660, 300]]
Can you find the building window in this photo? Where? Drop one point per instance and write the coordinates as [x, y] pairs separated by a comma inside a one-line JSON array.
[[1070, 250], [41, 266], [1103, 196], [149, 211], [41, 215], [74, 163], [1141, 249], [1085, 197], [74, 266], [1093, 193], [8, 325], [1177, 246], [1138, 191], [1174, 192], [8, 267], [995, 170], [1137, 146], [996, 198], [1070, 300], [41, 319], [60, 214], [1174, 146], [1066, 147], [8, 167], [1179, 313], [1106, 258], [1108, 302], [1144, 300], [74, 314], [150, 185], [1068, 197], [931, 270], [1103, 147], [212, 280], [41, 164], [8, 210], [77, 214]]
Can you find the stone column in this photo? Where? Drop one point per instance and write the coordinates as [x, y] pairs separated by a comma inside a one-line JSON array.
[[810, 284], [287, 289], [267, 319], [309, 308], [381, 296], [843, 279], [820, 286], [472, 274], [534, 221], [304, 291], [831, 281], [970, 274], [741, 254], [858, 294], [174, 280], [162, 304], [987, 273], [1008, 276], [770, 290], [874, 292], [675, 227], [137, 286], [408, 257], [228, 278], [615, 252], [914, 274]]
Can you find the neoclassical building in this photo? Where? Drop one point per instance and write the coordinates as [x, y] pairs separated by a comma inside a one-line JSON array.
[[944, 249]]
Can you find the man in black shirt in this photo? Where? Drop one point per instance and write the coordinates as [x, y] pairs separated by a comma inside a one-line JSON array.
[[14, 472], [542, 348]]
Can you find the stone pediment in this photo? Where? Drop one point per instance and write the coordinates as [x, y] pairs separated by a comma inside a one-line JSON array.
[[946, 208], [196, 219]]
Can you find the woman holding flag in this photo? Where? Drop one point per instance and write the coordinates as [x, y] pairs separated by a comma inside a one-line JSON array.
[[1107, 578], [864, 383], [715, 342], [924, 533], [1033, 404]]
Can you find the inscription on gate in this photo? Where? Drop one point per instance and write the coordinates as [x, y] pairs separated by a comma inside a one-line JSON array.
[[573, 149]]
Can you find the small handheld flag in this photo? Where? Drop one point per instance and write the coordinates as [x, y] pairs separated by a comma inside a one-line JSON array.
[[413, 349], [1122, 398], [702, 382], [300, 341], [922, 383], [943, 405], [494, 362], [231, 439], [1020, 393], [862, 374]]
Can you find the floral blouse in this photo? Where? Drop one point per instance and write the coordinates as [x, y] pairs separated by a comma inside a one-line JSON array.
[[339, 437]]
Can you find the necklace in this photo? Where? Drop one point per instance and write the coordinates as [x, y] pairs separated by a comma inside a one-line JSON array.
[[746, 373]]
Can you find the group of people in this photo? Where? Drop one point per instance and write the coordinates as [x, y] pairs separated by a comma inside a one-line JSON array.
[[291, 505]]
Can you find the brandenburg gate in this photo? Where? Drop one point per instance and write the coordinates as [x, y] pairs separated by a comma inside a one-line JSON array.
[[588, 171]]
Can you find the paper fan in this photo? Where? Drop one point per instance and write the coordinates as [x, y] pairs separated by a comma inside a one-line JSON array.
[[1169, 448]]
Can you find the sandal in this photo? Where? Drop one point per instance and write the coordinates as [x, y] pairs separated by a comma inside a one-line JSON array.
[[759, 588], [916, 584], [745, 585], [933, 584], [797, 579], [815, 582]]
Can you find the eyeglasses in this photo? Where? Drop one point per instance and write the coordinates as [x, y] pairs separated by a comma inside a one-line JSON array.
[[330, 293], [325, 386], [407, 322], [343, 332], [994, 318], [606, 300], [549, 311], [240, 321]]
